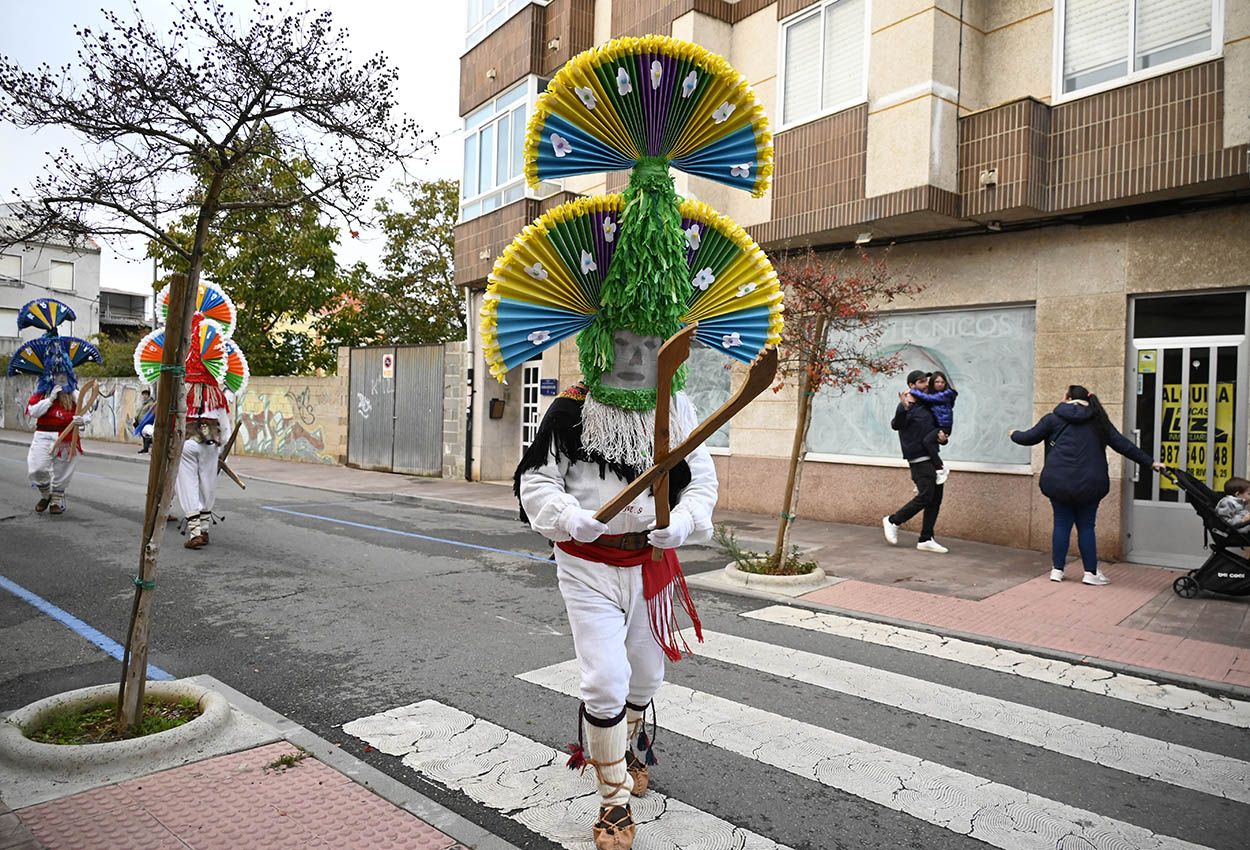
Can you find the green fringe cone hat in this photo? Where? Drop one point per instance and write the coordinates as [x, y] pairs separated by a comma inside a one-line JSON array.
[[646, 260]]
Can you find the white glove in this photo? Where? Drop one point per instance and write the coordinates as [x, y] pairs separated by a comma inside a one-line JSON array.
[[56, 391], [680, 526], [83, 420], [583, 526]]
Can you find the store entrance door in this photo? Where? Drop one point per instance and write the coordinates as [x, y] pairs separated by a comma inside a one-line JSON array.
[[1187, 408]]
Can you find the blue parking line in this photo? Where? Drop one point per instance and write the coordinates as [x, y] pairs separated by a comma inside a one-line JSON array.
[[412, 534], [65, 618]]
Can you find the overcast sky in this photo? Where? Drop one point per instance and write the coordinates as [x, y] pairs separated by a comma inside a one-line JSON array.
[[423, 39]]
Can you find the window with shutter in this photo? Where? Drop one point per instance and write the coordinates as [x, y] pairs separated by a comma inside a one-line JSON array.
[[823, 60], [1099, 37]]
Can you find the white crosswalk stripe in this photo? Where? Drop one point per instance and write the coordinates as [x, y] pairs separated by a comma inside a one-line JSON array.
[[528, 782], [997, 814], [1137, 754], [1134, 689]]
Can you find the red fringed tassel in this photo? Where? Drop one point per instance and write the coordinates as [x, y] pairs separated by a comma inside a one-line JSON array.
[[662, 612], [577, 757]]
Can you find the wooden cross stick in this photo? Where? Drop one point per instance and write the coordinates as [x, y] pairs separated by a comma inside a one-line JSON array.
[[763, 370], [88, 395], [222, 466], [673, 353]]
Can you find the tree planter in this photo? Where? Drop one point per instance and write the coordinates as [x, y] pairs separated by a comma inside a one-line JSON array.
[[69, 761], [761, 581]]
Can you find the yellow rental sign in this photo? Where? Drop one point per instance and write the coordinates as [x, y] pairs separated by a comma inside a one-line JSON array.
[[1221, 449]]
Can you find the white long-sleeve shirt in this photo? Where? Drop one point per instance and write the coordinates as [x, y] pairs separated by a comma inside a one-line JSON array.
[[551, 490]]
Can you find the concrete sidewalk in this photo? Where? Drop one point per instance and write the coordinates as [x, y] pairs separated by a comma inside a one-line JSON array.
[[289, 789], [992, 594]]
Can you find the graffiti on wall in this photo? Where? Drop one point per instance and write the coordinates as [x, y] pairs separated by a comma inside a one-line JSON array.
[[292, 419], [285, 423]]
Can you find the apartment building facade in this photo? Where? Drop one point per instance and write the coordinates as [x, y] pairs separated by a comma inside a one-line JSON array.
[[32, 270], [1069, 179]]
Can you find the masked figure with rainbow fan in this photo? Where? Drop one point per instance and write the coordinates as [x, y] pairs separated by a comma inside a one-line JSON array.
[[216, 371], [54, 405], [624, 273]]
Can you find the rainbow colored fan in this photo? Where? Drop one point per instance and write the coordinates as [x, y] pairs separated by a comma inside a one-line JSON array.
[[45, 314], [32, 356], [211, 301], [545, 287], [210, 342], [237, 371], [654, 96]]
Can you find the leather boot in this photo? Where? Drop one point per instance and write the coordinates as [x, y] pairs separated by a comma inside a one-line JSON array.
[[615, 828]]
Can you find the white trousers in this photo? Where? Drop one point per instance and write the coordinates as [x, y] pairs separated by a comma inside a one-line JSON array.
[[197, 477], [48, 472], [619, 658]]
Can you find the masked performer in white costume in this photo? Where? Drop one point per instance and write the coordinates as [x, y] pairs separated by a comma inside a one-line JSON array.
[[214, 370], [625, 273], [54, 404]]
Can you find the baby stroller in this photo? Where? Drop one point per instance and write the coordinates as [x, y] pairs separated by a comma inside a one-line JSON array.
[[1224, 572]]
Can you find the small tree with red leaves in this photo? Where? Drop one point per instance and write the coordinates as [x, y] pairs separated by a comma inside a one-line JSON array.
[[831, 343]]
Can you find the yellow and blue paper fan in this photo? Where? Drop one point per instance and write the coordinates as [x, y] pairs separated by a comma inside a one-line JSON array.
[[545, 286], [211, 301], [45, 314], [35, 357], [611, 106]]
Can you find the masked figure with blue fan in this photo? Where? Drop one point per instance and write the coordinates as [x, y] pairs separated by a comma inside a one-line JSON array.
[[215, 371], [54, 404], [623, 274]]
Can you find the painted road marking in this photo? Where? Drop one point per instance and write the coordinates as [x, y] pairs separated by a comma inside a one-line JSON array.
[[1142, 756], [1079, 677], [999, 815], [528, 782], [527, 555], [76, 625]]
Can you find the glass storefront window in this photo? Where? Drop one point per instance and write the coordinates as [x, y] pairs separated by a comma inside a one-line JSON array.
[[988, 355]]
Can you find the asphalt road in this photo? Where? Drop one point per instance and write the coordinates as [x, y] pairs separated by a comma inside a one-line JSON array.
[[330, 609]]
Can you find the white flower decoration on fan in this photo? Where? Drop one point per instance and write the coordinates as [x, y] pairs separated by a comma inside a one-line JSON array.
[[588, 262], [743, 170], [560, 145], [536, 271], [587, 96], [657, 71], [539, 337], [623, 85], [732, 340], [746, 289], [722, 113], [703, 279], [693, 236], [609, 230], [689, 84]]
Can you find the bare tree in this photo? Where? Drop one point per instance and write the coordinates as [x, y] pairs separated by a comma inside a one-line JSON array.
[[831, 342], [168, 120]]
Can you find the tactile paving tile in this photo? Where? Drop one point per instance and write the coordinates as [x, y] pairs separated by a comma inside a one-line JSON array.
[[233, 802]]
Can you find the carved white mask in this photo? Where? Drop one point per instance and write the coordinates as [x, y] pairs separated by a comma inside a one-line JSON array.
[[635, 364]]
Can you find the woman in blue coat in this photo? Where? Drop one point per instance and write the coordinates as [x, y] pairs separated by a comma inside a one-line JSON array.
[[1074, 476]]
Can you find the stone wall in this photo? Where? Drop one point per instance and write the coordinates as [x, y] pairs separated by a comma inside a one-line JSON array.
[[455, 365]]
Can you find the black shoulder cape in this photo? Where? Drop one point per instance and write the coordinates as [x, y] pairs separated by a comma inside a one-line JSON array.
[[561, 431]]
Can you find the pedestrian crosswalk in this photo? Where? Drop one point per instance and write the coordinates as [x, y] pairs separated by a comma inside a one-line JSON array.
[[1124, 764]]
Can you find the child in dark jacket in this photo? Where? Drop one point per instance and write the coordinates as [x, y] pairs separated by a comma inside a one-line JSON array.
[[941, 401]]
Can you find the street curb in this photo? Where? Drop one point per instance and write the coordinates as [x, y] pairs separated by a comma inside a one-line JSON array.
[[1222, 689], [390, 789]]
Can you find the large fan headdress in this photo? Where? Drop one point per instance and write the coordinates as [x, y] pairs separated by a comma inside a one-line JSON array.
[[547, 284], [52, 357], [644, 260], [213, 363], [611, 108]]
